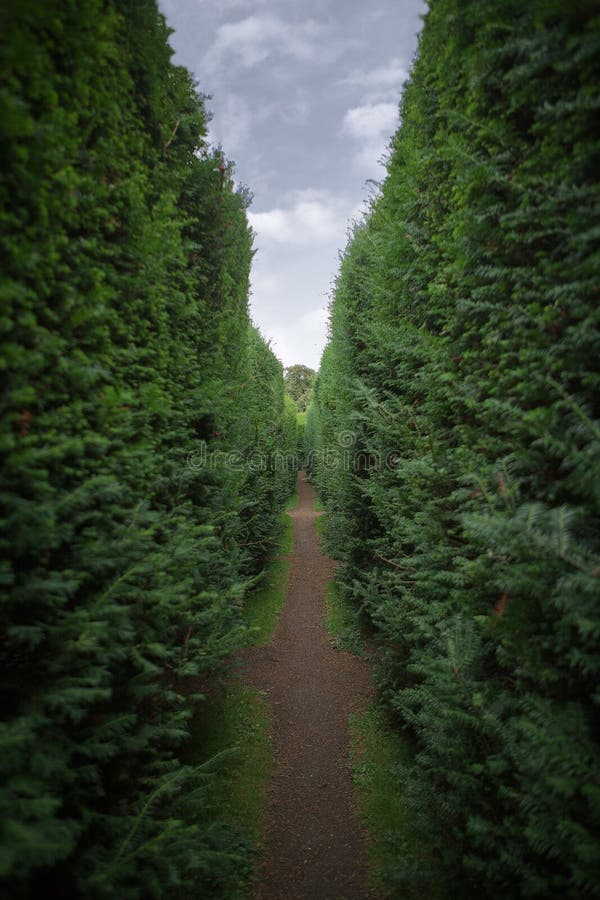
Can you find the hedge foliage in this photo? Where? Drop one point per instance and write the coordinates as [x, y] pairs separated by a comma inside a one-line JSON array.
[[134, 392], [455, 435]]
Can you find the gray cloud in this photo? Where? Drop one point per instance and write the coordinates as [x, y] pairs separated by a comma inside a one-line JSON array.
[[253, 40], [310, 215], [305, 99], [371, 126]]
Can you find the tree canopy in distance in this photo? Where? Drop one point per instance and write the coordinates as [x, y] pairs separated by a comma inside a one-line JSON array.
[[299, 382]]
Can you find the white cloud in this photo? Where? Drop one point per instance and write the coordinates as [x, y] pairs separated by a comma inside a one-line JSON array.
[[237, 123], [371, 126], [292, 273], [226, 6], [252, 40], [371, 121], [273, 225], [391, 75], [233, 125], [310, 216], [267, 283], [306, 333]]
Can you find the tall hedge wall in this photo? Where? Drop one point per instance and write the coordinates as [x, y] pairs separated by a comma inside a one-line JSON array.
[[128, 535], [456, 441]]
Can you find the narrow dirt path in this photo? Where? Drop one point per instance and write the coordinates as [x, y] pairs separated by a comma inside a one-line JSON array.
[[314, 845]]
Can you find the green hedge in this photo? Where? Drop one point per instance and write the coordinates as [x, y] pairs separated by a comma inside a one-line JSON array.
[[128, 369], [463, 374]]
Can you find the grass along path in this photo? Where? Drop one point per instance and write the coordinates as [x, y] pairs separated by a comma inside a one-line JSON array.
[[236, 717], [379, 757], [264, 603]]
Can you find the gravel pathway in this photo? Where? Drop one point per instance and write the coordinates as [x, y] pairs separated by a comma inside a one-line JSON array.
[[314, 845]]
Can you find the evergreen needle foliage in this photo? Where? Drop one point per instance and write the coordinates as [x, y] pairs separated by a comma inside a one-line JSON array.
[[135, 395], [462, 374]]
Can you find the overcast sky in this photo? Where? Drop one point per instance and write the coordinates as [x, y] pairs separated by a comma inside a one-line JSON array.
[[304, 101]]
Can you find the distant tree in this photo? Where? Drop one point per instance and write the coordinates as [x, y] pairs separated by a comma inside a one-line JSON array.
[[299, 383]]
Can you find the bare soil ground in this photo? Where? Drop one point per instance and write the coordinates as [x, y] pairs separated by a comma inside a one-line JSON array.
[[314, 844]]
